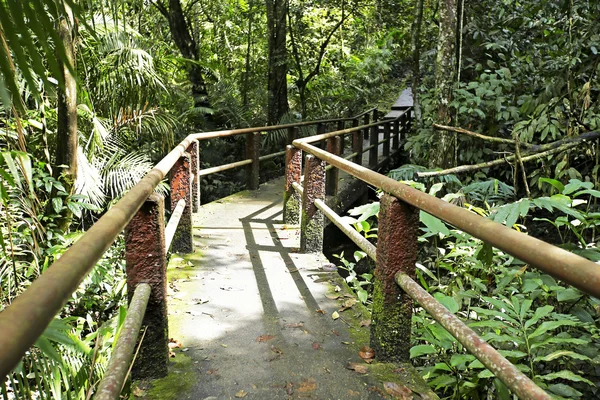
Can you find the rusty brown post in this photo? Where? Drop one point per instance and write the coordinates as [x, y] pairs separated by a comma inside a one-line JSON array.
[[366, 122], [253, 153], [194, 151], [292, 134], [180, 189], [373, 153], [396, 251], [334, 146], [396, 135], [386, 136], [313, 221], [357, 144], [292, 199], [146, 261]]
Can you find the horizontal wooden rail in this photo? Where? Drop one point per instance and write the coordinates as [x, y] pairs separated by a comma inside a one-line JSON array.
[[224, 167], [173, 223], [564, 265], [116, 372]]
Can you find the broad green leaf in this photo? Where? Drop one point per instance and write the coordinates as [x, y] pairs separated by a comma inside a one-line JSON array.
[[458, 360], [557, 184], [422, 349], [561, 353], [568, 294], [540, 313], [435, 225], [447, 302], [57, 204], [564, 390], [549, 326], [365, 211], [565, 374]]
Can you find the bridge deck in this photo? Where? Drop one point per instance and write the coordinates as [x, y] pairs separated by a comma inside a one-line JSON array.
[[254, 316]]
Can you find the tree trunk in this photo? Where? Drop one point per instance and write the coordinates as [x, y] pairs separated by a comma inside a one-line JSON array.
[[66, 132], [445, 73], [416, 67], [277, 104]]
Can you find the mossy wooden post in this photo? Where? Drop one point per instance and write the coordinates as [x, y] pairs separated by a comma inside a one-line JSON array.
[[180, 189], [321, 128], [334, 146], [357, 144], [313, 220], [146, 261], [387, 137], [366, 119], [396, 251], [373, 140], [292, 199], [253, 153], [194, 150], [396, 135]]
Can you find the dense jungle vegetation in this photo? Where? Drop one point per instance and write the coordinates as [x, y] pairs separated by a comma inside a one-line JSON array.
[[94, 92]]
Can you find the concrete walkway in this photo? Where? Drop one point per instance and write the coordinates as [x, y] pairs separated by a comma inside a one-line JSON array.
[[252, 318]]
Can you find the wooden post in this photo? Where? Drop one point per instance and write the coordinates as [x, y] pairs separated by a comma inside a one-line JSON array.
[[334, 146], [292, 199], [313, 220], [396, 135], [321, 128], [373, 153], [386, 136], [194, 150], [357, 144], [340, 126], [396, 252], [366, 122], [180, 189], [292, 134], [146, 261], [253, 153]]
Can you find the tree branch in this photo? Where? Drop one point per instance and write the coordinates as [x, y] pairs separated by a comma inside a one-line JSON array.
[[161, 8], [478, 135], [545, 150]]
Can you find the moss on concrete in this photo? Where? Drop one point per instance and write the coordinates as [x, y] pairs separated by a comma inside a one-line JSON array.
[[172, 387], [183, 266]]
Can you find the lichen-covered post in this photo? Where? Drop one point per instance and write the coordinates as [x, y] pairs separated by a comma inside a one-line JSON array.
[[366, 122], [145, 258], [334, 146], [194, 150], [313, 220], [396, 251], [253, 153], [373, 153], [396, 135], [387, 137], [357, 144], [180, 189], [292, 134], [291, 198]]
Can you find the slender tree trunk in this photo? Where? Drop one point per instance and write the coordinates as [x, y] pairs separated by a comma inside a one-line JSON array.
[[246, 86], [66, 139], [277, 104], [445, 73], [416, 67]]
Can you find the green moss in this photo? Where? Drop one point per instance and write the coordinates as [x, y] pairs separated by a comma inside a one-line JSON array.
[[180, 379], [183, 266]]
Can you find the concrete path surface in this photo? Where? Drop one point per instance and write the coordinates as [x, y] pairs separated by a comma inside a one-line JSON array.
[[251, 317]]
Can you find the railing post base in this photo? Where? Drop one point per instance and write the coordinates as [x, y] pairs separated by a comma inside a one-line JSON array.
[[180, 189], [313, 220], [292, 199], [392, 308], [145, 257]]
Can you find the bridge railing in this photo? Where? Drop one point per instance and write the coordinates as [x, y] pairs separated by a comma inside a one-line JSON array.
[[396, 253], [141, 214]]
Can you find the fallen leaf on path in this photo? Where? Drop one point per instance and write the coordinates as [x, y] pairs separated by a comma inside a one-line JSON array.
[[353, 393], [336, 333], [316, 345], [276, 350], [338, 289], [174, 343], [241, 393], [307, 385], [289, 388], [360, 368], [365, 322], [320, 311], [366, 353], [137, 392], [223, 345], [335, 315], [398, 391], [298, 325], [332, 296], [264, 338]]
